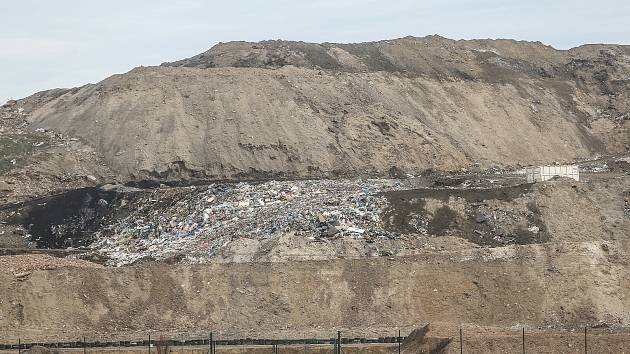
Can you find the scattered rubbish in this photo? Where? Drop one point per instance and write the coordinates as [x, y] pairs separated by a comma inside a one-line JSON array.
[[22, 276], [200, 221]]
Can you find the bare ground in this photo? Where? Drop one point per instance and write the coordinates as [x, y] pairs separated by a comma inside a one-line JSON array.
[[287, 109]]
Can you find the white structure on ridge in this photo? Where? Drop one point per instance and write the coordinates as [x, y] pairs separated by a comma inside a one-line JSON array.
[[544, 173]]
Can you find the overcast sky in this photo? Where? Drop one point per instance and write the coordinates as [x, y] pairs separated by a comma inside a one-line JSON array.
[[64, 43]]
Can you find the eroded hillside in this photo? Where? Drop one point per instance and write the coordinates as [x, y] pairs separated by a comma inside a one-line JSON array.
[[293, 109]]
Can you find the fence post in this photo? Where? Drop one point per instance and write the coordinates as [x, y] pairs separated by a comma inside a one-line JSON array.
[[84, 346], [149, 343], [585, 342], [338, 342], [210, 345], [461, 341], [19, 345], [399, 339], [523, 340]]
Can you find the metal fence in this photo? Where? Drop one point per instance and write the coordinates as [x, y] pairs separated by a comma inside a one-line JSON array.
[[211, 343], [456, 343]]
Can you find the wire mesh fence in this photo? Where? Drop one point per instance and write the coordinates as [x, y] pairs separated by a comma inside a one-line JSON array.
[[586, 340], [159, 345]]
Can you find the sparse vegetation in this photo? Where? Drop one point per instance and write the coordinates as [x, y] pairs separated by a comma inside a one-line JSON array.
[[16, 149]]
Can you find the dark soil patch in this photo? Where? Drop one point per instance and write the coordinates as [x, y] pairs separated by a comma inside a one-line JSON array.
[[407, 214], [443, 220], [65, 220], [471, 195]]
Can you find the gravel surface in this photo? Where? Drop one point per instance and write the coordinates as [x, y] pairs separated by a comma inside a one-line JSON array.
[[21, 264]]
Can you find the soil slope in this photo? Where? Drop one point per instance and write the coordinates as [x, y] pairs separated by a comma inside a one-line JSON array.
[[567, 285], [293, 109]]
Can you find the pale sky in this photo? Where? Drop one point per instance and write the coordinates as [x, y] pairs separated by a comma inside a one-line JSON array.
[[65, 43]]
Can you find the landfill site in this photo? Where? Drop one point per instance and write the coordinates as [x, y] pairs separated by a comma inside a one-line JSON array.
[[451, 195]]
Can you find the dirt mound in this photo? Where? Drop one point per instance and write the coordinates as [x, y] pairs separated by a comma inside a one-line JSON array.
[[293, 109]]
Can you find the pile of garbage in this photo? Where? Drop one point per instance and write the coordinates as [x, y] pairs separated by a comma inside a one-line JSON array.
[[200, 221], [12, 118]]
